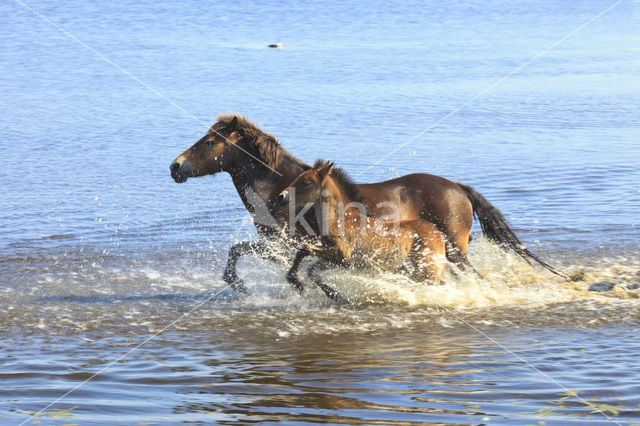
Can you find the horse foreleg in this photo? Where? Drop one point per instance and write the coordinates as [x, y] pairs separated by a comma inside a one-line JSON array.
[[292, 276], [306, 250], [237, 250], [331, 293]]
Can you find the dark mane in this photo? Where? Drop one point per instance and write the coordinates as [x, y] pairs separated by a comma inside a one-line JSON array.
[[265, 146], [344, 180]]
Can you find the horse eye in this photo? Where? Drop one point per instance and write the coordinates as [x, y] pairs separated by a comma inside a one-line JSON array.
[[210, 142], [306, 182]]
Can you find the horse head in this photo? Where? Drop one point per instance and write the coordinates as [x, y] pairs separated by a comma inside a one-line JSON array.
[[213, 153], [307, 187]]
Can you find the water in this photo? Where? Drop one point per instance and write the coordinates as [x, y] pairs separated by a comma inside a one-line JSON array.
[[100, 249]]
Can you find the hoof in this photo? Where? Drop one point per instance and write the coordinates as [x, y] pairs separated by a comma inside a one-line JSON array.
[[227, 295], [295, 282], [334, 295], [340, 299], [239, 287], [235, 283]]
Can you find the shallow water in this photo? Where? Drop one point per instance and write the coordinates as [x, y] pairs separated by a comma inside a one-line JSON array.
[[100, 250]]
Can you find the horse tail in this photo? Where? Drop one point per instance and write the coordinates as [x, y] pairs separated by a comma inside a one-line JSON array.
[[496, 228]]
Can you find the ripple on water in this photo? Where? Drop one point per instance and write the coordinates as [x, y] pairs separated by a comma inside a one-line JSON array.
[[516, 346]]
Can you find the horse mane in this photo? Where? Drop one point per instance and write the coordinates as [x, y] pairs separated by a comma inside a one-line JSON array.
[[343, 179], [265, 145]]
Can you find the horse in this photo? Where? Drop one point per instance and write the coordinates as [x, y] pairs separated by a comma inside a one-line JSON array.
[[349, 237], [260, 168]]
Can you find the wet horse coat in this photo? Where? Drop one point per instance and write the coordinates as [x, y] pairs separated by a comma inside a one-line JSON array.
[[261, 168], [348, 235]]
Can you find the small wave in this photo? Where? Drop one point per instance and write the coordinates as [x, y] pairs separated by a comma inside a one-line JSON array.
[[142, 294]]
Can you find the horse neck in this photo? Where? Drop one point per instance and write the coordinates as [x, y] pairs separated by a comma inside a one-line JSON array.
[[329, 209], [266, 183]]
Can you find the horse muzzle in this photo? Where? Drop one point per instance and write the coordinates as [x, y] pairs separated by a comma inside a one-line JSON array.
[[180, 170], [283, 198]]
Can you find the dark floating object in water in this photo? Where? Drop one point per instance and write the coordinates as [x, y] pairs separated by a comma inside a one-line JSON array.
[[277, 45], [602, 286]]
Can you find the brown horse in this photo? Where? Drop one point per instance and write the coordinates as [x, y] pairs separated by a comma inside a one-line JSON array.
[[261, 168], [348, 236]]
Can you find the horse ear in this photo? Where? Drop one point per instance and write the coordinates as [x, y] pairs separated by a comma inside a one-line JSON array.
[[233, 125], [326, 170]]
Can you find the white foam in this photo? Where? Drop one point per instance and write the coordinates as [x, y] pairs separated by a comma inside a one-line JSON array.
[[507, 281]]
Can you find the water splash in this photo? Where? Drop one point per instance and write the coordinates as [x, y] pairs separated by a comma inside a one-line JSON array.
[[506, 281]]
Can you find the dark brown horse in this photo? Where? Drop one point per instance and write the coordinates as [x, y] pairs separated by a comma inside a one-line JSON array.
[[349, 237], [261, 168]]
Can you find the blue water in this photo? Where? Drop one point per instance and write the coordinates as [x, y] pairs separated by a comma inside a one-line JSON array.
[[94, 233]]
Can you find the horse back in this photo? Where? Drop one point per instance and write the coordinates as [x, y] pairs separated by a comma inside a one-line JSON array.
[[417, 196]]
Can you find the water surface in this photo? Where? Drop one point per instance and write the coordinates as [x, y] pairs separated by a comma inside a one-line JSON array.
[[100, 249]]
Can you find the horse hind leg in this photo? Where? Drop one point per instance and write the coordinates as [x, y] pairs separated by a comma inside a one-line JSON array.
[[456, 252], [428, 255], [427, 267], [456, 247], [454, 255]]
